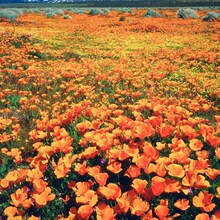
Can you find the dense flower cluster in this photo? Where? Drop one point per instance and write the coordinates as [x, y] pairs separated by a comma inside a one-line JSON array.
[[104, 119]]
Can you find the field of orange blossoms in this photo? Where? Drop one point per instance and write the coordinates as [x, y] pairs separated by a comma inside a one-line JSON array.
[[113, 116]]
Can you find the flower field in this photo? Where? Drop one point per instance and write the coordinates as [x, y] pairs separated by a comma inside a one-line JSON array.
[[110, 116]]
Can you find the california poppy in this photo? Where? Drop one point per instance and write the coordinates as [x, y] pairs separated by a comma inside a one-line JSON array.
[[204, 201], [85, 211], [182, 204], [195, 144], [104, 212], [111, 191], [176, 170], [157, 185], [139, 207], [139, 185], [202, 216]]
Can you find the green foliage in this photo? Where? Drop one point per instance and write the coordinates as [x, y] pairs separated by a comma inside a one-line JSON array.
[[211, 16], [9, 15], [151, 13], [187, 13]]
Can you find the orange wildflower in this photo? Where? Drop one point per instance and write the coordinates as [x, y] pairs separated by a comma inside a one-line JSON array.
[[19, 197], [44, 197], [139, 207], [166, 130], [111, 191], [124, 202], [131, 151], [182, 204], [81, 188], [195, 144], [101, 178], [176, 170], [90, 198], [139, 185], [114, 167], [10, 211], [81, 168], [202, 216], [216, 215], [104, 212], [143, 130], [161, 211], [158, 185], [85, 211], [204, 201], [172, 185], [133, 171]]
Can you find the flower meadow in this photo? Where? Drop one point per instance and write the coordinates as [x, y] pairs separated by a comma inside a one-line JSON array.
[[109, 116]]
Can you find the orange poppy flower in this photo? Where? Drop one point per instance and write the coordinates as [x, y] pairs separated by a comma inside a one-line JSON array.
[[114, 167], [161, 211], [89, 198], [142, 161], [111, 191], [104, 212], [92, 171], [85, 211], [39, 185], [124, 202], [81, 188], [212, 173], [155, 121], [81, 168], [172, 185], [176, 170], [101, 178], [143, 130], [190, 178], [131, 151], [189, 131], [182, 204], [160, 169], [139, 185], [19, 197], [166, 130], [217, 152], [139, 207], [10, 211], [202, 216], [195, 144], [150, 151], [133, 171], [216, 215], [201, 182], [43, 198], [204, 201], [90, 152], [157, 185]]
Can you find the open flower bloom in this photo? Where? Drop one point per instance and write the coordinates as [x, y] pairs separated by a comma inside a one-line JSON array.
[[104, 212], [161, 211], [85, 211], [157, 185], [90, 198], [204, 201], [111, 191], [182, 204], [43, 198], [139, 207], [19, 197], [10, 211], [176, 170], [202, 216], [139, 185]]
